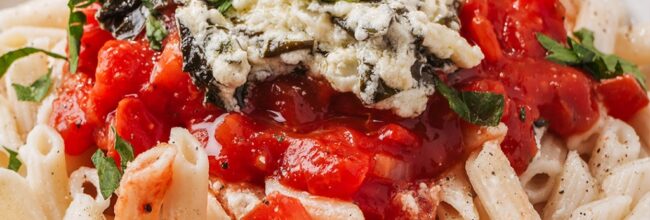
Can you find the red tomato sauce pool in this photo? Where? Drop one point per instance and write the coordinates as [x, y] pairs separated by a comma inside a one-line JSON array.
[[297, 128]]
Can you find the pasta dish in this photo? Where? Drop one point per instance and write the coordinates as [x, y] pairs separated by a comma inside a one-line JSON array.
[[324, 109]]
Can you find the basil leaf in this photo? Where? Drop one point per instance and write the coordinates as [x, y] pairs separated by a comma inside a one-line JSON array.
[[125, 19], [581, 53], [155, 32], [558, 53], [480, 108], [222, 5], [109, 174], [76, 23], [124, 149], [14, 162], [10, 57], [36, 91]]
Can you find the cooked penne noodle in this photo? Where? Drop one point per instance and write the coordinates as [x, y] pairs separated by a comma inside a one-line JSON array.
[[144, 184], [496, 184], [44, 158], [615, 207], [186, 197], [630, 180], [616, 145], [17, 201], [457, 196], [540, 177], [641, 210], [574, 188], [84, 206]]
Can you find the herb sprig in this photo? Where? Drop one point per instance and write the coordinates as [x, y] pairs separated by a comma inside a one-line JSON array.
[[479, 108], [36, 91], [10, 57], [14, 162], [582, 53], [107, 170], [76, 23]]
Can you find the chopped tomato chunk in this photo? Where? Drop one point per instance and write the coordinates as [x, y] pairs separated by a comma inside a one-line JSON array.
[[123, 69], [623, 96], [278, 207], [92, 40], [330, 163], [71, 115], [135, 124]]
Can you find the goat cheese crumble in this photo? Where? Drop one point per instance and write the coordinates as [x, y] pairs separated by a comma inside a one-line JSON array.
[[386, 52]]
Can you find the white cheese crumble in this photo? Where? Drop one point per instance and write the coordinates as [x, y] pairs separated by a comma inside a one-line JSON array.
[[368, 48]]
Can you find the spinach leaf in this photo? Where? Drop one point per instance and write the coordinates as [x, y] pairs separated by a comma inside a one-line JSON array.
[[36, 91], [10, 57]]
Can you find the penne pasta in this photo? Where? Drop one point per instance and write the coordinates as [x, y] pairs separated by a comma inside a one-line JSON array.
[[44, 158], [17, 201], [84, 206], [641, 210], [616, 145], [496, 184], [457, 197], [186, 197], [609, 208], [540, 177], [144, 184], [631, 179], [574, 188]]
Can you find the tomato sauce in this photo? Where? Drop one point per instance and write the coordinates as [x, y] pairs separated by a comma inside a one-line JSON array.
[[298, 129]]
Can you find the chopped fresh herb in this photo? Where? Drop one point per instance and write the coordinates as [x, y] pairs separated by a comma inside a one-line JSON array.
[[582, 53], [10, 57], [36, 91], [222, 5], [275, 48], [76, 23], [279, 137], [156, 32], [124, 149], [14, 162], [109, 174], [480, 108], [522, 114]]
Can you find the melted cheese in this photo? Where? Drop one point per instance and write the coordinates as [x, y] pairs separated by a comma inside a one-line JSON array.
[[365, 48]]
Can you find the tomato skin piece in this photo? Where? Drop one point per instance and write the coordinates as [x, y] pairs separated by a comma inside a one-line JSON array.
[[278, 207], [123, 68], [135, 124], [92, 41], [71, 115], [623, 96]]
